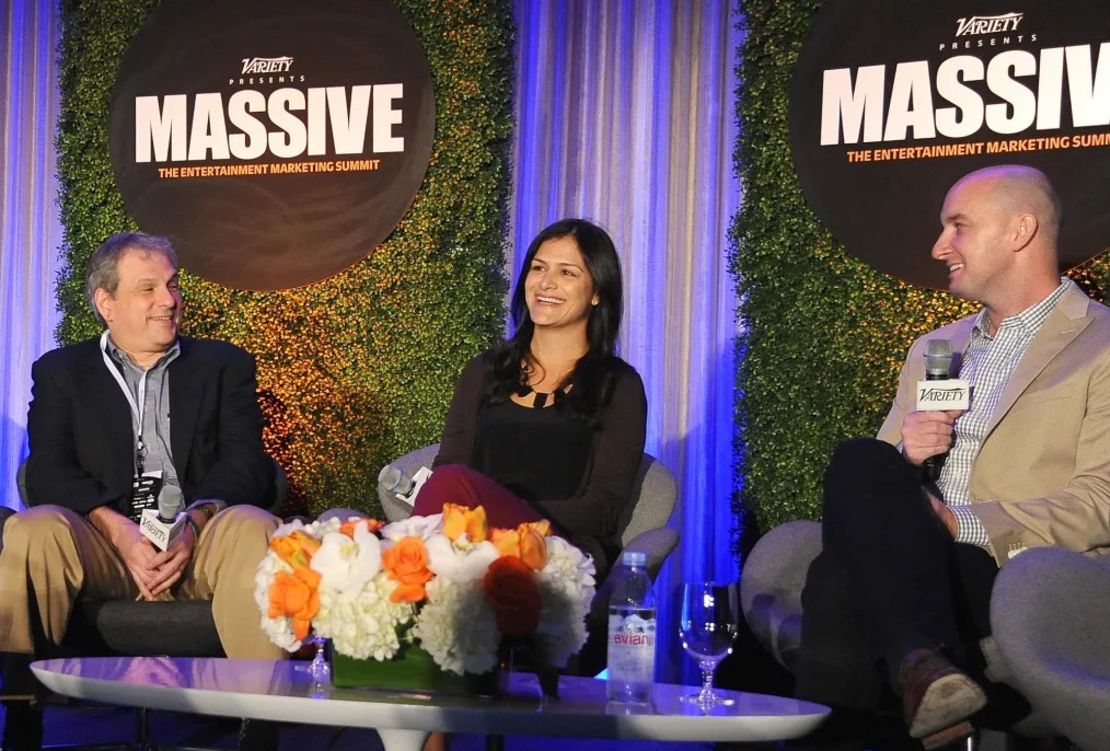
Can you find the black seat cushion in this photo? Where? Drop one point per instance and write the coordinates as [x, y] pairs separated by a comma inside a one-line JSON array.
[[179, 628]]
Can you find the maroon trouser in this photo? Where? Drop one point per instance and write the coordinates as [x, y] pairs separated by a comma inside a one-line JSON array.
[[458, 483]]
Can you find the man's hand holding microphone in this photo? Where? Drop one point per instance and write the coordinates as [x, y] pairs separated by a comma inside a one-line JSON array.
[[173, 533], [156, 549], [928, 432]]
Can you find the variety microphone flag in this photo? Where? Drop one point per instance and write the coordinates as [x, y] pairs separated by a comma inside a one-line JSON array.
[[163, 525], [939, 391]]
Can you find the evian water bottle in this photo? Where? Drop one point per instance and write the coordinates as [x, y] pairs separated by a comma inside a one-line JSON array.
[[631, 632]]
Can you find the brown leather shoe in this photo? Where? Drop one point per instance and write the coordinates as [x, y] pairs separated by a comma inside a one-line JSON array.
[[937, 698]]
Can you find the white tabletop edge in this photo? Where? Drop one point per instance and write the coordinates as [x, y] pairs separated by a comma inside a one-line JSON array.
[[390, 711]]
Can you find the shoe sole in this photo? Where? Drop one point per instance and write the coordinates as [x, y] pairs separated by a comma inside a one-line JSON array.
[[949, 735], [947, 702]]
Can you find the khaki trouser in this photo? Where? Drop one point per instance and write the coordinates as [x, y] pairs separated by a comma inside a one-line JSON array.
[[52, 556]]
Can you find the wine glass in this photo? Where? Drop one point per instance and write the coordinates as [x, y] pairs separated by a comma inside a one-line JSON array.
[[707, 627]]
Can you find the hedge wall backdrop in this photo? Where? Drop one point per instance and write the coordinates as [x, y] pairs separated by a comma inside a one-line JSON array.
[[351, 370], [823, 335]]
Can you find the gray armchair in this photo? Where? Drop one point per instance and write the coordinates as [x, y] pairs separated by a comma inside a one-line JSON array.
[[771, 583], [642, 527], [1049, 611]]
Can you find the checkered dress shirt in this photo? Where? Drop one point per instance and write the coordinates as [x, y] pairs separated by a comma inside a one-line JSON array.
[[987, 365]]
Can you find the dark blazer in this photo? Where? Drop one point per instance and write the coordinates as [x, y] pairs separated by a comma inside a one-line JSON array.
[[82, 442]]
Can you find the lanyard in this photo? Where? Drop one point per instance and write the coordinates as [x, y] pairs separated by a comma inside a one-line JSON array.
[[136, 408]]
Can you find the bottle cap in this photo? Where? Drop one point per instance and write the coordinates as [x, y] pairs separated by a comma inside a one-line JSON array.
[[634, 558]]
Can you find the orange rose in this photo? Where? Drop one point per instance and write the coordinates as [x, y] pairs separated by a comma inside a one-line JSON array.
[[296, 596], [507, 541], [458, 519], [525, 542], [295, 548], [348, 527], [407, 564], [510, 589], [533, 549]]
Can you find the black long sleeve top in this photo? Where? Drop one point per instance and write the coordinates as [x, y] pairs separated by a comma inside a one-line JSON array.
[[579, 477]]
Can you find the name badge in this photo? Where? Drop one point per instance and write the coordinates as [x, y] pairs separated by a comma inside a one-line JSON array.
[[144, 493], [951, 393]]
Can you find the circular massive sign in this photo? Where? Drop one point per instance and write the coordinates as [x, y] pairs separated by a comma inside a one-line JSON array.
[[893, 100], [276, 141]]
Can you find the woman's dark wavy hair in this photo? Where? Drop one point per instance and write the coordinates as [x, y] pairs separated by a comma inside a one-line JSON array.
[[591, 383]]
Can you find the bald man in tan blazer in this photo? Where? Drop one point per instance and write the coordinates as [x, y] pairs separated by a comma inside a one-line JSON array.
[[900, 594], [1042, 474]]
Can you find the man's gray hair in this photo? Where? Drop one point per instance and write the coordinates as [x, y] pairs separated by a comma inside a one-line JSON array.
[[103, 270]]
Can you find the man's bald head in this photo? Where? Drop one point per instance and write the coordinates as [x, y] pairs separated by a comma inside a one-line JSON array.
[[998, 238], [1019, 189]]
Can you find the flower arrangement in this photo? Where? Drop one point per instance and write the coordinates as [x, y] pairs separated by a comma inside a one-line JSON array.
[[445, 582]]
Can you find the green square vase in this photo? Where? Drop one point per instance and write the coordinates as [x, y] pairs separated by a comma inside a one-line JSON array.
[[412, 669]]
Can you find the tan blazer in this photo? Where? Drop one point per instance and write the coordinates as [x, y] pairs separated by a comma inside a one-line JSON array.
[[1042, 476]]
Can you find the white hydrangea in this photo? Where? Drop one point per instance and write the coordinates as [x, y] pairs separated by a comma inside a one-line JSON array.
[[279, 630], [566, 585], [458, 628], [287, 528], [420, 527], [569, 569], [363, 624]]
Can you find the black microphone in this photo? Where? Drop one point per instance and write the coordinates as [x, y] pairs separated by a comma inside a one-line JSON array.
[[938, 367]]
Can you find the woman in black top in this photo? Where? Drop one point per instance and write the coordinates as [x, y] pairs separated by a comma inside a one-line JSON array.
[[550, 424]]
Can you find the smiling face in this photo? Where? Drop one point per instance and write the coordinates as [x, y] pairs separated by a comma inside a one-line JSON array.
[[144, 312], [977, 241], [559, 290]]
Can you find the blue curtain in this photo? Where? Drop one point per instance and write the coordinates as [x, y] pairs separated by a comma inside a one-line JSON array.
[[624, 115], [30, 230]]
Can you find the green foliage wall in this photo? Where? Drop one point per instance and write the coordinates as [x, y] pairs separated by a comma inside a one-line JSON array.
[[360, 368], [822, 334]]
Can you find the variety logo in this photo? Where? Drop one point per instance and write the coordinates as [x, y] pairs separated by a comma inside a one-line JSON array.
[[941, 395], [953, 393], [255, 65], [979, 25]]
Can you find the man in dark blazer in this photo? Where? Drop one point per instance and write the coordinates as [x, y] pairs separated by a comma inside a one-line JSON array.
[[111, 421]]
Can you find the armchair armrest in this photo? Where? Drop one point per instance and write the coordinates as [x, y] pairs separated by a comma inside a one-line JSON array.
[[656, 544], [1048, 614]]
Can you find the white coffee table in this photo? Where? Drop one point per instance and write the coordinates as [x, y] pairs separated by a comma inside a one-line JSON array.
[[283, 691]]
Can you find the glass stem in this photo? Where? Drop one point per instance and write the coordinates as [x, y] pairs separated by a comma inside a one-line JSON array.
[[708, 668], [320, 670]]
